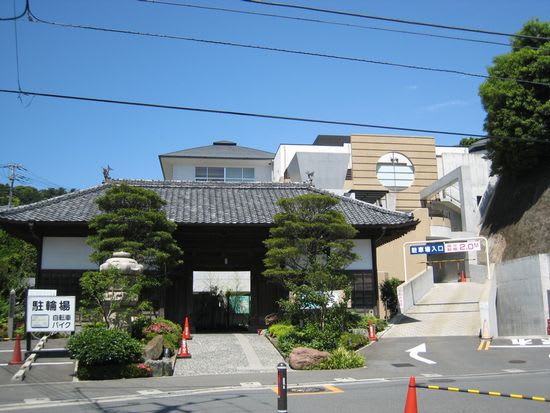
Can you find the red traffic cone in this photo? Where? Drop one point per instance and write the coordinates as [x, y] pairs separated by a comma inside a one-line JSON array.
[[183, 352], [16, 357], [372, 335], [410, 404], [186, 330], [462, 277]]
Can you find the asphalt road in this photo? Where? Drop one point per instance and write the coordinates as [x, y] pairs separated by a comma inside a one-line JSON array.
[[520, 367]]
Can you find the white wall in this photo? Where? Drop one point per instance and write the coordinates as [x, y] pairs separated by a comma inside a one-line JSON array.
[[364, 250], [286, 153], [66, 253], [184, 170]]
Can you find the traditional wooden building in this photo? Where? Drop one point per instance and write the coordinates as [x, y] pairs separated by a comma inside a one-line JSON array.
[[221, 227]]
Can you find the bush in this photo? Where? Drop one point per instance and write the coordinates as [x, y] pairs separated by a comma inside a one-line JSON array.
[[112, 372], [353, 341], [388, 294], [98, 346], [309, 336], [341, 358], [171, 332], [281, 329], [379, 323], [137, 326]]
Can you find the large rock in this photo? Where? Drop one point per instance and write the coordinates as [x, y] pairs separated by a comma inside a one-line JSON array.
[[154, 348], [303, 357]]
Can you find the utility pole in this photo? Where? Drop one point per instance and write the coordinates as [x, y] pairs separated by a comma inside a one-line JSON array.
[[12, 177]]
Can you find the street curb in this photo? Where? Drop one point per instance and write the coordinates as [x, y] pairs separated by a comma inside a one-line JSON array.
[[27, 365]]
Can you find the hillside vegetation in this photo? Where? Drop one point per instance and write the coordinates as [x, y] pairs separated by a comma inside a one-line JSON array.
[[518, 220]]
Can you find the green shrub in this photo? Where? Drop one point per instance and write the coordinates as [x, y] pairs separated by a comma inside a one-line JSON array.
[[379, 323], [388, 295], [137, 326], [353, 341], [341, 358], [281, 329], [309, 336], [171, 332], [113, 372], [98, 346]]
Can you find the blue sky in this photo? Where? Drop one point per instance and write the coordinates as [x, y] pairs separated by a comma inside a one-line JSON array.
[[67, 142]]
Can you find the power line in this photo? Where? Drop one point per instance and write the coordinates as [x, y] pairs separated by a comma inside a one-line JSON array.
[[395, 20], [281, 50], [12, 177], [320, 21], [257, 115], [17, 17]]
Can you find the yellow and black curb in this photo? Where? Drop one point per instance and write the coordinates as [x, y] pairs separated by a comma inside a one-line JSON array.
[[486, 393]]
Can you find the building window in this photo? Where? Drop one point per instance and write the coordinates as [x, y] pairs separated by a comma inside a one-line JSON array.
[[395, 171], [363, 293], [220, 174]]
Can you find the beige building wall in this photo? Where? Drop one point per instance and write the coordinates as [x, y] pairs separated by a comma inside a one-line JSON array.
[[366, 150]]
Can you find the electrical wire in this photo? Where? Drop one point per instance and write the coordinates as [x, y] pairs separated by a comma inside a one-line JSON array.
[[258, 115], [281, 50], [395, 20], [328, 22], [17, 17]]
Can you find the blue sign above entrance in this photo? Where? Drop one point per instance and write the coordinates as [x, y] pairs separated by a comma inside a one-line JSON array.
[[427, 249]]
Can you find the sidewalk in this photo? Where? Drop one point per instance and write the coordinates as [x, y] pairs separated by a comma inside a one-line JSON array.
[[228, 354]]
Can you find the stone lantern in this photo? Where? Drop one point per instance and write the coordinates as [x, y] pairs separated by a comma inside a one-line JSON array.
[[122, 262], [126, 265]]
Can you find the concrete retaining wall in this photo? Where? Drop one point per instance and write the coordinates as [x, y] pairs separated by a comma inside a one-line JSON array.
[[523, 286], [488, 309], [412, 291]]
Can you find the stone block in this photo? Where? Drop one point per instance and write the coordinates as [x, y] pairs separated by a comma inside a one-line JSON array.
[[304, 357], [154, 348]]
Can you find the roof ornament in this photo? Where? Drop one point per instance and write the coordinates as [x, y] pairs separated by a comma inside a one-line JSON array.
[[106, 171], [310, 177]]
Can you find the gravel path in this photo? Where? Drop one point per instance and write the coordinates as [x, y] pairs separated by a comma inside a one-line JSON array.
[[228, 354]]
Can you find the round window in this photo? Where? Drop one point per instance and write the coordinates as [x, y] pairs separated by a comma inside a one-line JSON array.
[[395, 171]]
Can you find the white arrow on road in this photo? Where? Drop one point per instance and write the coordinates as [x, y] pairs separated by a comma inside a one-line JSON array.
[[522, 341], [413, 352]]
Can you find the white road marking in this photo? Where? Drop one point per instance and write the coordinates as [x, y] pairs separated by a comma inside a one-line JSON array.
[[421, 348], [251, 384], [38, 400], [427, 375], [51, 363], [149, 392], [344, 379], [514, 370], [520, 346], [522, 341]]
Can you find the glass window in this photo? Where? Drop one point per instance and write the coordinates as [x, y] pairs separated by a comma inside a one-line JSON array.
[[248, 174], [215, 174], [395, 171], [234, 174], [201, 173]]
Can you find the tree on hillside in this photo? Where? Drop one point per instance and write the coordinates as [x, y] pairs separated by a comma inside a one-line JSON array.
[[23, 194], [307, 251], [467, 142], [518, 113]]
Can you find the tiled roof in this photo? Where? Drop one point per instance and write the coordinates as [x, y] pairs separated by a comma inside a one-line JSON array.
[[203, 203], [221, 150]]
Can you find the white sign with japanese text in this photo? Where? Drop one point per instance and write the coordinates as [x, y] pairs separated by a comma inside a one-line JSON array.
[[47, 313]]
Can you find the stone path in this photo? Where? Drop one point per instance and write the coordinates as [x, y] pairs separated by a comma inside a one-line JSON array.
[[228, 354], [449, 309]]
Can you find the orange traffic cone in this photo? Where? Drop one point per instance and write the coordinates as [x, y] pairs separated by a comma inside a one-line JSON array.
[[462, 277], [183, 352], [16, 357], [372, 335], [186, 330], [410, 404]]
